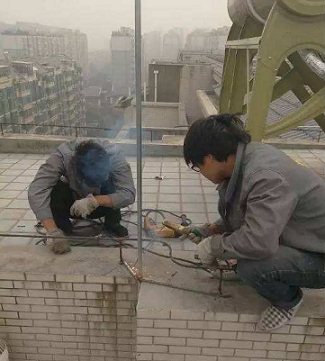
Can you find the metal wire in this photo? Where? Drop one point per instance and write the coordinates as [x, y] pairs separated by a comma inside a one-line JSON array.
[[158, 283], [81, 241]]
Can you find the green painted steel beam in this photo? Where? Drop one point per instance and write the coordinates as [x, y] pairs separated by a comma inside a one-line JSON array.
[[250, 43], [234, 78], [288, 82], [304, 7], [311, 109], [309, 77]]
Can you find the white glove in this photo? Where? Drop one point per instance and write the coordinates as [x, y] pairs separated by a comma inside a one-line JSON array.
[[57, 245], [83, 207], [205, 251], [196, 233]]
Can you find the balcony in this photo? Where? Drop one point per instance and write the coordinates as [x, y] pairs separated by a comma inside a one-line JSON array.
[[53, 106], [29, 119], [23, 93], [5, 81], [52, 96], [49, 84], [27, 106]]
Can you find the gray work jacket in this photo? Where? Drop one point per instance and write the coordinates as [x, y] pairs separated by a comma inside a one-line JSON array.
[[60, 165], [269, 200]]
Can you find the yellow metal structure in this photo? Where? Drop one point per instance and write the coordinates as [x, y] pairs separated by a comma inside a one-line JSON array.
[[292, 26]]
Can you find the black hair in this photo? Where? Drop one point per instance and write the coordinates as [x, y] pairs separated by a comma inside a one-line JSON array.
[[217, 135], [92, 163], [84, 147]]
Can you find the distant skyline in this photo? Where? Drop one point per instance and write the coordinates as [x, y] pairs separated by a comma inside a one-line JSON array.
[[98, 18]]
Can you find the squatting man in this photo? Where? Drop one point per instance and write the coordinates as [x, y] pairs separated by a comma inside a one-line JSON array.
[[272, 215], [88, 179]]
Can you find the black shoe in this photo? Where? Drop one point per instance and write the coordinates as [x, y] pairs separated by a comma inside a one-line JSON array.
[[118, 230], [67, 231]]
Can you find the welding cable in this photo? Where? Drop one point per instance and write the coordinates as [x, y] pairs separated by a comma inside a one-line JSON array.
[[191, 264], [148, 211], [178, 261], [81, 240], [126, 213]]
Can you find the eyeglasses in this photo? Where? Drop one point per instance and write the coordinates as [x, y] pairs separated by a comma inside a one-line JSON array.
[[195, 168]]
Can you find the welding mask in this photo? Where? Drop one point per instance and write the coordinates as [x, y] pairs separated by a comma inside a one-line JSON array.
[[93, 168]]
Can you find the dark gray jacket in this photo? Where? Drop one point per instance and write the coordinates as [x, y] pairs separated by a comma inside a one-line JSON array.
[[269, 200], [61, 165]]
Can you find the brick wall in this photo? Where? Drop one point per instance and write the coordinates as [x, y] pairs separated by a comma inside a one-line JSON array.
[[182, 335], [67, 317], [50, 310]]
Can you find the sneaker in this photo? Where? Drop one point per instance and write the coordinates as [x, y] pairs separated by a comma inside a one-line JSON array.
[[275, 317], [118, 230]]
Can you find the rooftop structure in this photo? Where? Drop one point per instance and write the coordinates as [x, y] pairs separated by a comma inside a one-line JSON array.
[[86, 304], [93, 96], [94, 304]]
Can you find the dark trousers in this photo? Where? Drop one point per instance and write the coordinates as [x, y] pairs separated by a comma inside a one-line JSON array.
[[62, 199], [279, 278]]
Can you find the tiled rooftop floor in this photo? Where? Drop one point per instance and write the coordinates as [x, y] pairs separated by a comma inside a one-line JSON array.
[[181, 190]]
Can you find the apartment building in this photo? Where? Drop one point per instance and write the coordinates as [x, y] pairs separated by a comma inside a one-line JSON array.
[[123, 61], [152, 47], [172, 44], [34, 40], [41, 96], [211, 41]]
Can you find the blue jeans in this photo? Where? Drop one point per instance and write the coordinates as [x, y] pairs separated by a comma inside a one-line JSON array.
[[279, 278]]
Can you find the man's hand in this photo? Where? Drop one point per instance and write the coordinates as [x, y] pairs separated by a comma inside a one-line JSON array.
[[57, 245], [83, 207], [197, 233], [205, 252]]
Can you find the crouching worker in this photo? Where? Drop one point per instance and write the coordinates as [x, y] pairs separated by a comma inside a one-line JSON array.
[[272, 214], [88, 179]]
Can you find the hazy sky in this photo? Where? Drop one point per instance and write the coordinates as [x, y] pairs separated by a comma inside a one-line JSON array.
[[97, 18]]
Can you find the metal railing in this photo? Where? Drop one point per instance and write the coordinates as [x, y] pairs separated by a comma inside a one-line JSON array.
[[315, 132], [149, 134], [75, 130]]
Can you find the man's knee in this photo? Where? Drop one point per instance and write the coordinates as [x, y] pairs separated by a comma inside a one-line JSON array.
[[246, 269], [252, 271]]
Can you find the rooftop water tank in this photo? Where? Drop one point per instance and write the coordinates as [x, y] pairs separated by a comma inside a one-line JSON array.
[[257, 9]]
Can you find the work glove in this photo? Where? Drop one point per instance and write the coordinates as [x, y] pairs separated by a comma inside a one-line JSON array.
[[196, 233], [57, 245], [83, 207], [205, 252]]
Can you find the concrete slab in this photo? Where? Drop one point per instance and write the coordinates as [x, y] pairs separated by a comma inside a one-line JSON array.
[[101, 261], [243, 299], [38, 259]]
